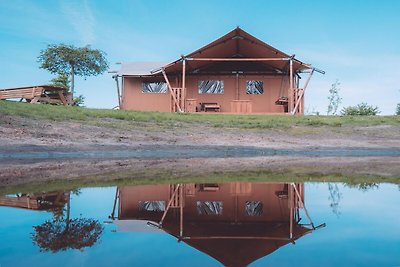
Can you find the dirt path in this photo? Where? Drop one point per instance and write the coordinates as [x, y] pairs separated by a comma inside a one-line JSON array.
[[34, 150]]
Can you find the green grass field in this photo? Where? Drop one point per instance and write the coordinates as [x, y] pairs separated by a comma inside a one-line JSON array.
[[61, 113], [128, 178]]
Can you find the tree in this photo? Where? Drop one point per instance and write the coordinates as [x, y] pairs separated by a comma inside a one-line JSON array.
[[334, 98], [334, 196], [62, 233], [62, 80], [398, 109], [81, 61], [362, 109]]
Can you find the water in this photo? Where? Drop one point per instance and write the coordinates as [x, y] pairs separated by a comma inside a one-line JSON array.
[[29, 154], [233, 224]]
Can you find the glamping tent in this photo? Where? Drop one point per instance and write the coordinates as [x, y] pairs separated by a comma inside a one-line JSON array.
[[236, 73]]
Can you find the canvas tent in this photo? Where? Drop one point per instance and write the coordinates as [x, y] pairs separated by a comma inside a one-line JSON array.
[[233, 66]]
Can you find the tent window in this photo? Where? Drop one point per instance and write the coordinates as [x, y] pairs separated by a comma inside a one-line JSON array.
[[254, 87], [254, 208], [209, 207], [211, 87], [155, 206], [154, 87]]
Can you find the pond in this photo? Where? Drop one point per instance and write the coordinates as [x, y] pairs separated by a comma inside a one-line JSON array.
[[213, 224]]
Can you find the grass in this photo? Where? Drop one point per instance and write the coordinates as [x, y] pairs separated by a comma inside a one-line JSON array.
[[123, 179], [61, 113]]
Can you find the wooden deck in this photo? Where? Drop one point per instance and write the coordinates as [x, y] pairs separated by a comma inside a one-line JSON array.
[[50, 94]]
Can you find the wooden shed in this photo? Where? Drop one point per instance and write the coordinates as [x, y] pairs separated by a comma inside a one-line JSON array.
[[236, 73]]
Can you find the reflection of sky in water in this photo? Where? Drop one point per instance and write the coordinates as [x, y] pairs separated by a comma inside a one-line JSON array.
[[366, 233]]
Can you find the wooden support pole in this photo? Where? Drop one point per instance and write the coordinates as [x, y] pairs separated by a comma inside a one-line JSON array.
[[291, 200], [302, 92], [112, 216], [118, 91], [238, 59], [240, 237], [181, 211], [290, 93], [302, 204], [237, 86], [169, 205], [171, 90], [184, 84]]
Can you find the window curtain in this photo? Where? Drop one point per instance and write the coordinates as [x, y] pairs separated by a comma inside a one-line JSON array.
[[254, 87], [156, 87], [209, 207], [254, 208], [156, 206], [211, 87]]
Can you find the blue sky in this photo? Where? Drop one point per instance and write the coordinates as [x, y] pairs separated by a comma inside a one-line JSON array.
[[355, 41]]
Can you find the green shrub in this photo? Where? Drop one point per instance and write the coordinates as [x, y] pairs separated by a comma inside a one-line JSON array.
[[362, 109]]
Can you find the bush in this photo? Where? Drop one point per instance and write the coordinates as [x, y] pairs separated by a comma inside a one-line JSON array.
[[79, 101], [362, 109]]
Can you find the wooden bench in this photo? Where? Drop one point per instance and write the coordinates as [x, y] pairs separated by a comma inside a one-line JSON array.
[[32, 94], [210, 107], [41, 93], [19, 202]]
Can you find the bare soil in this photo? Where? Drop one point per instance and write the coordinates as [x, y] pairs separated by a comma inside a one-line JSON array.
[[22, 136]]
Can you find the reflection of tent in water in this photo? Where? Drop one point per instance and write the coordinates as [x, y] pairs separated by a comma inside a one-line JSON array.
[[36, 201], [235, 223]]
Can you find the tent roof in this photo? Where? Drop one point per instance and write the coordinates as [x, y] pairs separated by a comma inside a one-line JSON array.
[[236, 250], [239, 44], [139, 68], [236, 44], [136, 226]]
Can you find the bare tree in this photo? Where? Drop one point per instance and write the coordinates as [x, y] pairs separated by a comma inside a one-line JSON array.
[[334, 99]]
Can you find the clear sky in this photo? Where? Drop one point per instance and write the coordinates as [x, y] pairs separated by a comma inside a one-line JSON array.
[[354, 41]]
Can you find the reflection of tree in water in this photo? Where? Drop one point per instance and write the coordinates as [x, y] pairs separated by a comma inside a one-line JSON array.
[[363, 186], [63, 233], [334, 196]]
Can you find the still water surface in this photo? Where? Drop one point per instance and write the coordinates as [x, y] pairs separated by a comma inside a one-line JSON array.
[[232, 224]]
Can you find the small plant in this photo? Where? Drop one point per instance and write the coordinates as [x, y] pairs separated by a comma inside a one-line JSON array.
[[398, 109], [334, 98], [362, 109], [79, 101]]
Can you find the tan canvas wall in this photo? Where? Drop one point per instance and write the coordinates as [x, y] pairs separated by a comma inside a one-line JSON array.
[[264, 103], [232, 197], [135, 99]]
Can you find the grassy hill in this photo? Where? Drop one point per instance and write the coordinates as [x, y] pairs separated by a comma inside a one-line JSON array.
[[98, 116]]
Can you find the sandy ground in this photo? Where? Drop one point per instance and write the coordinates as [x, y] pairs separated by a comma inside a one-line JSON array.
[[19, 136]]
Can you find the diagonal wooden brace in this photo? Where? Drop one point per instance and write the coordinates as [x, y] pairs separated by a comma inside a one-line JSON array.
[[170, 90], [302, 92]]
